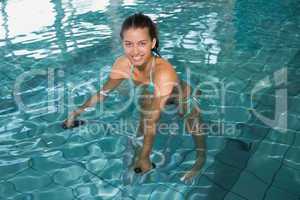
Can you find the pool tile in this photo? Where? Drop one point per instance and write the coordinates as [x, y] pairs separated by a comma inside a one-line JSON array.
[[242, 186], [7, 189], [233, 196], [47, 163], [266, 161], [236, 99], [30, 180], [142, 193], [10, 169], [294, 105], [113, 170], [277, 137], [297, 139], [292, 158], [293, 122], [236, 114], [205, 188], [223, 175], [112, 146], [166, 192], [96, 165], [68, 175], [275, 193], [288, 179], [253, 132], [74, 151], [56, 192], [90, 191]]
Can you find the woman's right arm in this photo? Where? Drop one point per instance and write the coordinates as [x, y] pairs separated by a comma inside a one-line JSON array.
[[118, 74], [98, 97]]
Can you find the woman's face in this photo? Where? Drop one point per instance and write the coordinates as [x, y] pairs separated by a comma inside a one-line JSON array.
[[137, 45]]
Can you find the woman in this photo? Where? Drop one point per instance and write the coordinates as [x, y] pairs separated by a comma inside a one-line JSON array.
[[160, 85]]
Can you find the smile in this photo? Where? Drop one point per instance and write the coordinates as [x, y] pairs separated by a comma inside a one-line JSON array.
[[137, 58]]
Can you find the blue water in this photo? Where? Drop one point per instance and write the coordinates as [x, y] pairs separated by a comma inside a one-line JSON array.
[[244, 55]]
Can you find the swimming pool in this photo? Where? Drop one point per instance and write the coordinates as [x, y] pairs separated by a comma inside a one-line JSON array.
[[244, 55]]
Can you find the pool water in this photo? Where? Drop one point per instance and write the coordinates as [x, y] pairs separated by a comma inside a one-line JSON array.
[[244, 55]]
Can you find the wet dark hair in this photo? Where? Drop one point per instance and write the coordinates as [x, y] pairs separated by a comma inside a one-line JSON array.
[[139, 20]]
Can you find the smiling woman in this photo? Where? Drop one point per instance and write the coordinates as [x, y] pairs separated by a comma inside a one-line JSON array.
[[159, 84], [138, 45], [149, 28]]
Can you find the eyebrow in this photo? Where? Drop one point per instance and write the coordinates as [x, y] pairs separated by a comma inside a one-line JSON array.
[[138, 41]]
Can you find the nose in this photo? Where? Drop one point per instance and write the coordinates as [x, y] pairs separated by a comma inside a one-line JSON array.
[[135, 50]]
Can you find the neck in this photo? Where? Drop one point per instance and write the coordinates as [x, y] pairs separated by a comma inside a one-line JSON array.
[[146, 65]]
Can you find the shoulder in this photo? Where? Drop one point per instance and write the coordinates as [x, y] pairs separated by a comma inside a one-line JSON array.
[[120, 68], [164, 70], [165, 78]]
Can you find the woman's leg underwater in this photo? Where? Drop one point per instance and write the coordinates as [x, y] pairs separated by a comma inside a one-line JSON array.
[[191, 112], [144, 165]]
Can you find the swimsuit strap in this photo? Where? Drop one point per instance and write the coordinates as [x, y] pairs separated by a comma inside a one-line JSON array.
[[151, 70], [131, 71], [131, 74]]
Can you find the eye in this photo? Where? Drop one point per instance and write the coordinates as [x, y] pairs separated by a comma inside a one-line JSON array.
[[142, 44], [128, 44]]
